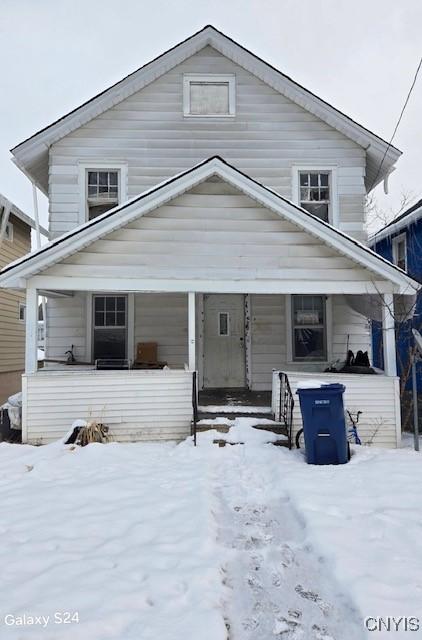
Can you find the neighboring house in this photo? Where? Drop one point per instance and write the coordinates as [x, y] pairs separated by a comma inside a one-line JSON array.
[[15, 241], [400, 241], [208, 204]]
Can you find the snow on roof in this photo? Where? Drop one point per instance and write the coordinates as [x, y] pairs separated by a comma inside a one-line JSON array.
[[413, 214]]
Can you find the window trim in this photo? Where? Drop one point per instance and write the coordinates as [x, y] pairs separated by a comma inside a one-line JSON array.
[[89, 323], [394, 246], [22, 305], [99, 165], [328, 332], [127, 328], [333, 209], [209, 77]]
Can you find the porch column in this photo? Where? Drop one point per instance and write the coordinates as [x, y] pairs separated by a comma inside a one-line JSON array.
[[191, 331], [31, 337], [388, 335]]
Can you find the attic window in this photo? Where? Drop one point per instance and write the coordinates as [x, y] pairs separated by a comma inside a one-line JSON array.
[[209, 95], [102, 191]]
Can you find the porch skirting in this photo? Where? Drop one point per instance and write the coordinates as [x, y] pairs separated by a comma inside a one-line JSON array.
[[136, 405], [377, 396]]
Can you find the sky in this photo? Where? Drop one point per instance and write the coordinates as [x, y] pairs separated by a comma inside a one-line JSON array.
[[359, 55]]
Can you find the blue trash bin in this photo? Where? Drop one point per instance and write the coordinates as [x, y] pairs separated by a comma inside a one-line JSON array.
[[324, 426]]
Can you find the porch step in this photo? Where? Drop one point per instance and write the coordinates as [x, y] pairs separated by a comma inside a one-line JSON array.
[[231, 415], [223, 427]]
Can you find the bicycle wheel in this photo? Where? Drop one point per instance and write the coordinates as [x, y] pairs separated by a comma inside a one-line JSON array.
[[300, 440]]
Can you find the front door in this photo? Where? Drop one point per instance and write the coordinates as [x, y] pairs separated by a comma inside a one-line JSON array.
[[224, 341], [110, 327]]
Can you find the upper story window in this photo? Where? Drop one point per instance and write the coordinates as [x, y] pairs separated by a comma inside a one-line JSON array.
[[102, 186], [400, 251], [8, 232], [209, 95], [315, 193], [102, 191]]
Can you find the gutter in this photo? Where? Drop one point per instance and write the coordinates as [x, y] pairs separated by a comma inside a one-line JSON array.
[[394, 228]]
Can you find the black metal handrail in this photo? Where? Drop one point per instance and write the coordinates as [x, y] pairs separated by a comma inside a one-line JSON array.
[[194, 405], [286, 405]]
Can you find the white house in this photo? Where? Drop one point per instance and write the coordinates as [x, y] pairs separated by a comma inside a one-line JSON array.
[[211, 205]]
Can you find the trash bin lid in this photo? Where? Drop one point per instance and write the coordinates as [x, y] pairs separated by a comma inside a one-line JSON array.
[[334, 386], [315, 385]]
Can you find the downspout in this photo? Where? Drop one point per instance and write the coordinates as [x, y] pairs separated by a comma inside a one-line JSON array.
[[36, 217], [38, 245]]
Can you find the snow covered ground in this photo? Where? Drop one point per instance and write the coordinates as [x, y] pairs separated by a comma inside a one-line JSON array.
[[171, 542]]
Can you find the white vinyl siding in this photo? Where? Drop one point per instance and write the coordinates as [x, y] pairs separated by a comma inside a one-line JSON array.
[[163, 318], [136, 405], [376, 396], [266, 137], [268, 343], [66, 326], [219, 234]]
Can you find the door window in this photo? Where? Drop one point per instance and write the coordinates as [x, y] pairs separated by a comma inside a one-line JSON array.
[[223, 323]]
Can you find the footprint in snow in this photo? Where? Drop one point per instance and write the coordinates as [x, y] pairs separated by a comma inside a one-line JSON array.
[[287, 556], [286, 629], [250, 624], [321, 633], [314, 597], [276, 580]]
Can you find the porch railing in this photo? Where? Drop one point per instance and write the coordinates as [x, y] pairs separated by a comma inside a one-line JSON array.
[[286, 405]]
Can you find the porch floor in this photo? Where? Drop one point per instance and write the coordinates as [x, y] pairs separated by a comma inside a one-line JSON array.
[[233, 403], [241, 397]]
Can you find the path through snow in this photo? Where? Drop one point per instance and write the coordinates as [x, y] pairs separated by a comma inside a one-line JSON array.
[[280, 588]]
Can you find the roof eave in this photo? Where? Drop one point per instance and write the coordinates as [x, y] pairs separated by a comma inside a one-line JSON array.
[[18, 213], [169, 189], [39, 143]]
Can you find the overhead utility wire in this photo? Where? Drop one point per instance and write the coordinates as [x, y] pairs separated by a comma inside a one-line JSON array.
[[398, 122]]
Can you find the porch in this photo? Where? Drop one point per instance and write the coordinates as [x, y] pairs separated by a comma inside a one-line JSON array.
[[229, 279], [233, 341]]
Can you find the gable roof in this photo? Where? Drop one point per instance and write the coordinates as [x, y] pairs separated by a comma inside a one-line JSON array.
[[31, 155], [411, 215], [14, 210], [84, 235]]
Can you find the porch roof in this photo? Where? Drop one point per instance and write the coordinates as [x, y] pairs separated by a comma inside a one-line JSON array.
[[16, 274]]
